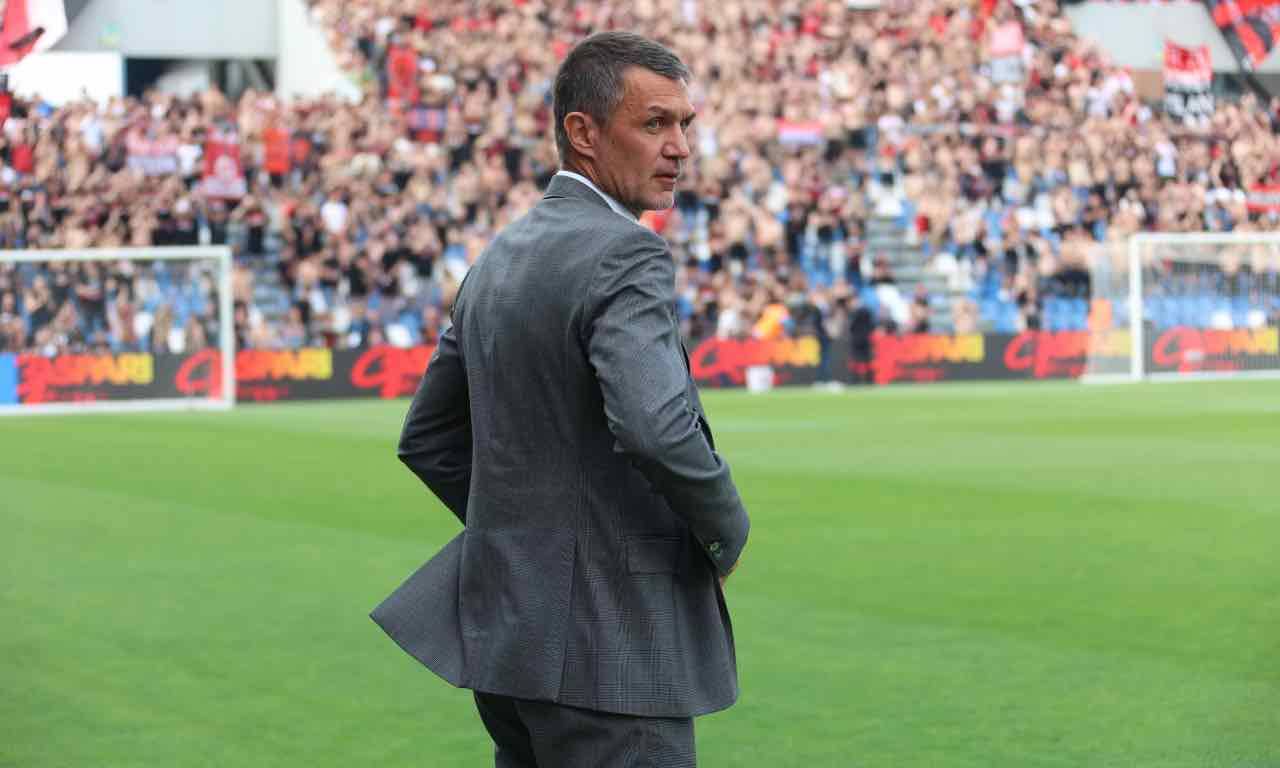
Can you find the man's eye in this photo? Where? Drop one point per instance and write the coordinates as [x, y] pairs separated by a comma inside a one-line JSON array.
[[654, 123]]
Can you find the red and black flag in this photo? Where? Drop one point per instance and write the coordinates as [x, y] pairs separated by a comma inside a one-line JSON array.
[[1188, 81], [29, 26], [1251, 27]]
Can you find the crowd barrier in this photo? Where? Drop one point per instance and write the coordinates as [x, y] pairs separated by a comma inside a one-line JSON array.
[[390, 372]]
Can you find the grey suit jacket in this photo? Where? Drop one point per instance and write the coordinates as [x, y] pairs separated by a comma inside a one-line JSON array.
[[558, 421]]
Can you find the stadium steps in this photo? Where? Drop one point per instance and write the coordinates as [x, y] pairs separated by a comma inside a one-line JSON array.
[[888, 237], [270, 294]]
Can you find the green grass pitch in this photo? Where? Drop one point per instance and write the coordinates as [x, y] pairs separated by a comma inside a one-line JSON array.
[[1031, 575]]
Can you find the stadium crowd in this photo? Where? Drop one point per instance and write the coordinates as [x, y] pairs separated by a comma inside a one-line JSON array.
[[1006, 149]]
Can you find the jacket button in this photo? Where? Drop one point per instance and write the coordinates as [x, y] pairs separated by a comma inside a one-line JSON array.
[[714, 549]]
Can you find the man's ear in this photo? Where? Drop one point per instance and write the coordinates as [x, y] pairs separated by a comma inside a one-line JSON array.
[[583, 133]]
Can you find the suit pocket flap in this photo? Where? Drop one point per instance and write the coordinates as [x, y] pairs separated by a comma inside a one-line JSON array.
[[654, 554]]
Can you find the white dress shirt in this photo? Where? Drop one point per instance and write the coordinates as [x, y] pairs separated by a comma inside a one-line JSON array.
[[614, 204]]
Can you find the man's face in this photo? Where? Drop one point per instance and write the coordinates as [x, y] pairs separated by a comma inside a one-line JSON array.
[[644, 145]]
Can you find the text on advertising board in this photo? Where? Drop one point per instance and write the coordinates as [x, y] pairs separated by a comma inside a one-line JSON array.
[[918, 357], [392, 371], [201, 374], [40, 379], [728, 359], [1189, 349], [1052, 354]]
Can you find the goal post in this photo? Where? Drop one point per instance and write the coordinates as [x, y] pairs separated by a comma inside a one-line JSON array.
[[1194, 305], [116, 330]]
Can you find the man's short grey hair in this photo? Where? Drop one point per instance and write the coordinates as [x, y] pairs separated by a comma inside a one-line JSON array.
[[590, 79]]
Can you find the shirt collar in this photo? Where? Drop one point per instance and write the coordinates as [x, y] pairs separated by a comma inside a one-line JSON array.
[[614, 204]]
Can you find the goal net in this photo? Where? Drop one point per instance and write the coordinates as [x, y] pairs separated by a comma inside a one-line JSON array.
[[1192, 306], [115, 330]]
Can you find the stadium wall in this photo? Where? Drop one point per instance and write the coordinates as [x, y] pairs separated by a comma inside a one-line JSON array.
[[307, 67], [59, 77], [226, 29], [391, 372]]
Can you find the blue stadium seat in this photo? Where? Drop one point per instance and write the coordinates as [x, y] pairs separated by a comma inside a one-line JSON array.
[[1183, 311], [994, 220], [1008, 322], [1159, 311], [870, 299], [1054, 315], [989, 310]]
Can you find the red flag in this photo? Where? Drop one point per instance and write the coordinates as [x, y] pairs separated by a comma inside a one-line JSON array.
[[1250, 27], [402, 74], [1007, 40], [1263, 198], [223, 174], [799, 132], [1188, 77], [276, 145], [30, 26], [152, 153], [23, 158], [1185, 65]]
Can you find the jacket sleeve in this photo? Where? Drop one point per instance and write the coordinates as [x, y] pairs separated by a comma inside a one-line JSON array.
[[633, 344], [435, 441]]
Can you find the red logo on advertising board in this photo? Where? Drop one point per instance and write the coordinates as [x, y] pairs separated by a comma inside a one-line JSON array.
[[922, 357], [48, 379], [392, 371], [1048, 353], [201, 374], [730, 358], [1063, 354], [1190, 349]]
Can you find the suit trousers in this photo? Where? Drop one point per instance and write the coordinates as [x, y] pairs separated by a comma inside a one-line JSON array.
[[539, 734]]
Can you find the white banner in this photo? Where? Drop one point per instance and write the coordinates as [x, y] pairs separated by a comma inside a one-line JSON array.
[[1188, 81]]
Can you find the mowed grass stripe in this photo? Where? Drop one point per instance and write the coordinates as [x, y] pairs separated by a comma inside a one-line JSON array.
[[198, 634], [1011, 700], [321, 478], [1025, 567]]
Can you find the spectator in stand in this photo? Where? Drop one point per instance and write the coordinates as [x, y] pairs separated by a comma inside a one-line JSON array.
[[862, 327], [12, 333], [1027, 295], [919, 311], [809, 313]]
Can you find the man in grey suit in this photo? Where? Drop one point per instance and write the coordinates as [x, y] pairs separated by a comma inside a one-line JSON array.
[[582, 602]]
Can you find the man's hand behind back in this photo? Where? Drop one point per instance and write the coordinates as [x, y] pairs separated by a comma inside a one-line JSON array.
[[732, 568]]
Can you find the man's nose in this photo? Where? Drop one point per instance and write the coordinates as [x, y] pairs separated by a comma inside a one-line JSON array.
[[678, 146]]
